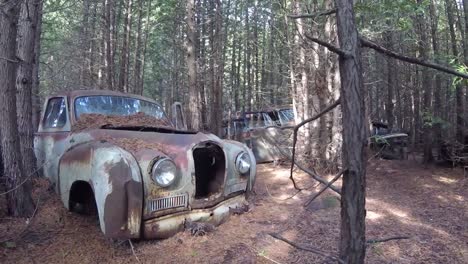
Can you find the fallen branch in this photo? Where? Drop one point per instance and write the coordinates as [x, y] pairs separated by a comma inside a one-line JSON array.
[[314, 15], [324, 188], [296, 129], [329, 46], [309, 249], [369, 44], [374, 241], [133, 251]]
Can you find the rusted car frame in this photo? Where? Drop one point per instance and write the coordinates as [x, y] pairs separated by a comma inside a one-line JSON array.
[[144, 180], [387, 143], [266, 132]]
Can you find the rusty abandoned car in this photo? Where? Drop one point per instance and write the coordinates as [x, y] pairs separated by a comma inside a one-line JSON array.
[[120, 156], [268, 133], [388, 143]]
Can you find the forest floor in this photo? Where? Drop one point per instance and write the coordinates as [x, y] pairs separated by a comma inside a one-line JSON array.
[[403, 199]]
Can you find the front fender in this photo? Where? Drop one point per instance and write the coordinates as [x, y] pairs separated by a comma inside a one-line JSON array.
[[253, 166], [115, 178]]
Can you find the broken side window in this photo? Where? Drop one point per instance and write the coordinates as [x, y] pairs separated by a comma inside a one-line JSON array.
[[55, 114]]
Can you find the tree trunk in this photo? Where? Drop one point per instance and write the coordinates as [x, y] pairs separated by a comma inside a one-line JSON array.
[[438, 81], [125, 58], [19, 197], [24, 79], [459, 88], [218, 70], [36, 102], [138, 72], [84, 38], [388, 38], [353, 212], [194, 111], [109, 48], [423, 47]]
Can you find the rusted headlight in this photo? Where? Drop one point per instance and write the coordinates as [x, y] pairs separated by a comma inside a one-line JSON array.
[[164, 172], [243, 162]]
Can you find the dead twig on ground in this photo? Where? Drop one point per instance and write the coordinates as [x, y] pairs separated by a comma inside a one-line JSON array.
[[133, 251], [324, 188], [309, 249], [375, 241]]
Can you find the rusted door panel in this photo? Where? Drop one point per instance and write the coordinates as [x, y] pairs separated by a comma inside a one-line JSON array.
[[271, 143]]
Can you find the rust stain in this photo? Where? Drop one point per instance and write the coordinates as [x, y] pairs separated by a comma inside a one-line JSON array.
[[124, 205]]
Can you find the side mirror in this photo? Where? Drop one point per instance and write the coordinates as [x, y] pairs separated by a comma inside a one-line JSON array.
[[178, 116]]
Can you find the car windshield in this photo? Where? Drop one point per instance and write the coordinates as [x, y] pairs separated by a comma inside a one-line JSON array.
[[117, 106], [258, 120]]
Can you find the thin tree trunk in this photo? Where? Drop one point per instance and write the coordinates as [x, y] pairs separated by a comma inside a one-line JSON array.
[[388, 38], [145, 46], [438, 81], [24, 79], [218, 70], [125, 58], [19, 195], [109, 49], [459, 88], [353, 212], [137, 85], [194, 117], [36, 102]]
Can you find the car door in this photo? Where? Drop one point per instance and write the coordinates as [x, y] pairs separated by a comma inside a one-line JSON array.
[[49, 141]]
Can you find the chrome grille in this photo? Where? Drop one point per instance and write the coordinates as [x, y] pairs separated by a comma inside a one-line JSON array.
[[167, 202]]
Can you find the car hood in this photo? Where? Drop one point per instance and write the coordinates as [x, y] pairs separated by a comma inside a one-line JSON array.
[[140, 143]]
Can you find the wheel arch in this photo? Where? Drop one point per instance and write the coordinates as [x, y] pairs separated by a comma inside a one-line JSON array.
[[114, 176]]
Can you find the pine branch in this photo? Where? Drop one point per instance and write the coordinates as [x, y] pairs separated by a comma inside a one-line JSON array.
[[369, 44], [329, 46], [314, 15]]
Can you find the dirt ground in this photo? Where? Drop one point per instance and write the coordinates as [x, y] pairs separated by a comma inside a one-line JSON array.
[[404, 199]]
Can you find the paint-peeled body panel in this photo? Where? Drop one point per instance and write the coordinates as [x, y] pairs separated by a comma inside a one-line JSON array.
[[119, 192], [116, 182]]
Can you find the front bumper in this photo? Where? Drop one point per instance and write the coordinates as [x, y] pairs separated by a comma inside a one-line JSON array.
[[166, 226]]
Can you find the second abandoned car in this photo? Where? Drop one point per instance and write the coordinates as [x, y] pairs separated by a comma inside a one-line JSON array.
[[120, 154]]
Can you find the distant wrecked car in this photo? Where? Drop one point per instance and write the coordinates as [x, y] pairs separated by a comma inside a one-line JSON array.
[[268, 133], [389, 144], [121, 155]]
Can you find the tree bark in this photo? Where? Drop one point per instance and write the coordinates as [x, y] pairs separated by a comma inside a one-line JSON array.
[[388, 38], [353, 212], [19, 187], [459, 87], [125, 58], [438, 81], [36, 102], [194, 111], [138, 72], [109, 47], [218, 70], [24, 79], [423, 47]]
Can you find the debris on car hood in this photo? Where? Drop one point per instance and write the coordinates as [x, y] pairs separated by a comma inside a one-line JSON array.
[[140, 120]]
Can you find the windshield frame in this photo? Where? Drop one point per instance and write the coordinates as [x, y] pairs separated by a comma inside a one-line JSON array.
[[147, 100]]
